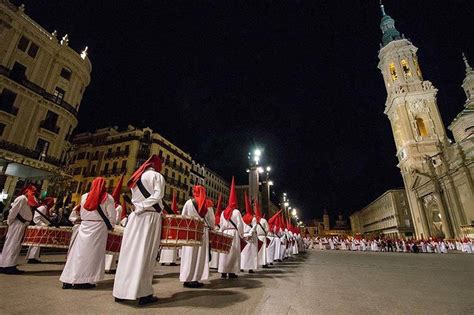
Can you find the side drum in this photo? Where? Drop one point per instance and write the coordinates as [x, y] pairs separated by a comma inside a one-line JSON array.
[[114, 240], [220, 242], [179, 230], [45, 236]]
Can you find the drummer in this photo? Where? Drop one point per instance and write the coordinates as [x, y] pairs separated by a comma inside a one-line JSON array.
[[195, 259], [19, 218], [40, 218], [231, 224], [85, 264], [248, 256], [141, 237], [213, 264]]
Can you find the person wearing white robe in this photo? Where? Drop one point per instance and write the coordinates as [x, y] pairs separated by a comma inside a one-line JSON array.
[[249, 255], [229, 264], [20, 211], [33, 253], [111, 259], [85, 264], [262, 228], [141, 237], [277, 252], [271, 247], [195, 259]]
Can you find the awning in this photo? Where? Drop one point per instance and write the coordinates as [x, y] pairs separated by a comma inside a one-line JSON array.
[[28, 172]]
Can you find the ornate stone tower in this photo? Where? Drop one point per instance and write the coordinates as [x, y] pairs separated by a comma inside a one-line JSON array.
[[418, 129]]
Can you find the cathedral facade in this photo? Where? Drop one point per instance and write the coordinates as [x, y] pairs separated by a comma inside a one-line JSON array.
[[437, 172]]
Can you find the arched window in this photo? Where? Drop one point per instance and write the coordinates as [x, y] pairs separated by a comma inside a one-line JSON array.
[[393, 72], [406, 68], [420, 125]]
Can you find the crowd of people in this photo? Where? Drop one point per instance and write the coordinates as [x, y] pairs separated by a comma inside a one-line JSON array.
[[256, 242], [382, 244]]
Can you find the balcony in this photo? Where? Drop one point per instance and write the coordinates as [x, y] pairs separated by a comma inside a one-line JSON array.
[[114, 172], [49, 126], [29, 153], [117, 154], [38, 90]]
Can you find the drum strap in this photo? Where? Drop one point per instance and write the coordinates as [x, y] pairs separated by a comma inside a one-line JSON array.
[[104, 217], [21, 219], [147, 194], [264, 231], [45, 217]]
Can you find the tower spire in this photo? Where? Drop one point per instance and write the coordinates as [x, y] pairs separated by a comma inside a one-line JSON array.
[[468, 67], [387, 25]]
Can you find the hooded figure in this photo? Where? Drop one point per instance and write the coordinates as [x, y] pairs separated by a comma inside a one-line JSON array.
[[248, 256], [213, 264], [141, 237], [40, 218], [195, 259], [231, 223], [271, 239], [262, 230], [19, 218], [85, 264]]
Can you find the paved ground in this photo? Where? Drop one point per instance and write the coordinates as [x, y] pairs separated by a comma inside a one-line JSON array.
[[319, 282]]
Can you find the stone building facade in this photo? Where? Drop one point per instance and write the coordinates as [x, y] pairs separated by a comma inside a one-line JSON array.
[[437, 172], [110, 152], [42, 81], [388, 215]]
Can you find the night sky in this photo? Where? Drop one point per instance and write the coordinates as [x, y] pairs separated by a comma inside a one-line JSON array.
[[297, 78]]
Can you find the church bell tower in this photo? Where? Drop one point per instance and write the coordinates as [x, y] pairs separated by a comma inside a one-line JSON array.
[[417, 127]]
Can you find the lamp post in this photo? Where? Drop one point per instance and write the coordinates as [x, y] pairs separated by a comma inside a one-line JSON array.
[[254, 171]]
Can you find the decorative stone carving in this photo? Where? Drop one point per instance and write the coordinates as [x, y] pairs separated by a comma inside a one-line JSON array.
[[418, 106]]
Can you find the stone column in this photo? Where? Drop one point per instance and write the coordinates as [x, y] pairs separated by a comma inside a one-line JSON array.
[[253, 183]]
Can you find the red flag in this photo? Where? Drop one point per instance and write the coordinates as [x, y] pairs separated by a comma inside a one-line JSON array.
[[174, 204], [123, 215], [218, 209], [117, 190]]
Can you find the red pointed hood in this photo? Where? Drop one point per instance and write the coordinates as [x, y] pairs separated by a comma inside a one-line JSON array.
[[248, 210], [258, 212], [199, 193], [218, 210], [273, 221], [97, 195], [30, 193], [232, 204], [117, 191], [174, 204], [154, 161]]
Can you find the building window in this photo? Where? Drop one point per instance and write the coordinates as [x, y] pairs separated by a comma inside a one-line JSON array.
[[59, 95], [18, 71], [124, 166], [2, 128], [33, 51], [114, 167], [406, 68], [42, 146], [66, 73], [50, 121], [23, 43], [127, 148], [106, 168], [93, 170], [393, 72], [420, 125], [7, 100]]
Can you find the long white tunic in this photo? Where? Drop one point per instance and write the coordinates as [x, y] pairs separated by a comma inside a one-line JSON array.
[[86, 259], [16, 230], [195, 259], [271, 248], [34, 251], [249, 255], [230, 263], [277, 255], [140, 241], [262, 229]]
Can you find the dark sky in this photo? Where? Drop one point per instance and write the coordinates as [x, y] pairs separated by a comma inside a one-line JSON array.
[[298, 78]]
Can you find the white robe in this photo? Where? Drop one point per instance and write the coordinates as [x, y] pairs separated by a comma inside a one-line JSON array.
[[277, 255], [271, 248], [140, 241], [248, 256], [168, 255], [262, 230], [86, 259], [195, 259], [111, 259], [214, 263], [34, 251], [16, 230], [230, 263]]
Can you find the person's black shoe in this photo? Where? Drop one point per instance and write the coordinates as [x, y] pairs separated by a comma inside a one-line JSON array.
[[2, 270], [147, 300], [67, 286], [241, 270], [173, 264], [199, 284], [162, 264], [233, 276], [12, 271], [117, 300], [34, 261], [193, 284], [223, 276], [111, 272], [265, 266], [84, 286], [251, 271]]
